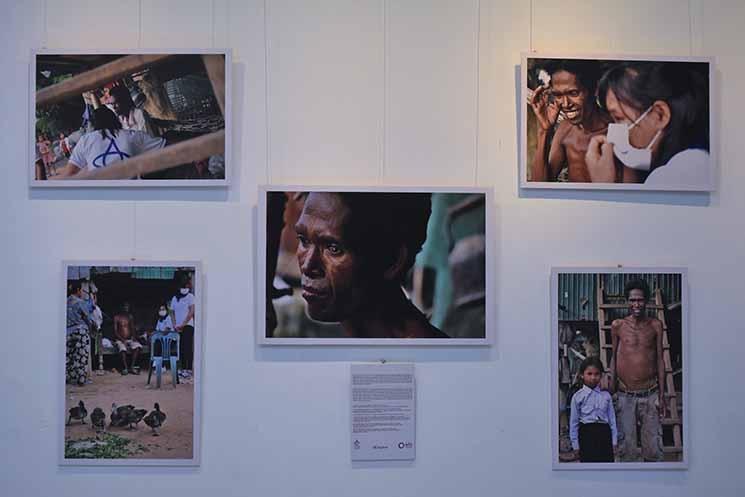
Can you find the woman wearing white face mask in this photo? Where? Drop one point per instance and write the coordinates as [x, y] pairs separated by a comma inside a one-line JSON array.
[[164, 324], [182, 305], [661, 131]]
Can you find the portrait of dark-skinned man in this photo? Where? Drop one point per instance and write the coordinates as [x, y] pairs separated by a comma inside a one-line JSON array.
[[354, 251]]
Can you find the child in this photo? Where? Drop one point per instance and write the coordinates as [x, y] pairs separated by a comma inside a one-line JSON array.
[[164, 327], [164, 324], [592, 423]]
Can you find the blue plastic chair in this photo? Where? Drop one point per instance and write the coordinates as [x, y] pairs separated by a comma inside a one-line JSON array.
[[156, 361]]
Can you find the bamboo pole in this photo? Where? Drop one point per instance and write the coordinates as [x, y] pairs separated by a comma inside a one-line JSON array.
[[184, 152], [215, 66], [97, 77]]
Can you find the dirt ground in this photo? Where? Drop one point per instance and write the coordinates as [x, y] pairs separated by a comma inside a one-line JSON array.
[[176, 434]]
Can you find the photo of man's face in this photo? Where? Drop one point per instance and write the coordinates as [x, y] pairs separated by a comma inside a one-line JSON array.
[[375, 265], [330, 269], [637, 302], [569, 94]]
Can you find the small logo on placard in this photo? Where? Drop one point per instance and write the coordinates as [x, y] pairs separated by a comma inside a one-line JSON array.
[[405, 445], [356, 444]]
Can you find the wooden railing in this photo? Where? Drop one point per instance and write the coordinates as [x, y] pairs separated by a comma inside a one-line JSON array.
[[184, 152]]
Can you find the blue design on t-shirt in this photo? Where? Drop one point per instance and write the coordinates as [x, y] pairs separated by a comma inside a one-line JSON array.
[[116, 152]]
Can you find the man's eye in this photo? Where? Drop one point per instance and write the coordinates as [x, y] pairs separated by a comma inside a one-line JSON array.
[[334, 249], [574, 94], [302, 240]]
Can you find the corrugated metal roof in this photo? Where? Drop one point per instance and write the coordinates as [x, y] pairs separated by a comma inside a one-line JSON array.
[[578, 292], [137, 272], [153, 273]]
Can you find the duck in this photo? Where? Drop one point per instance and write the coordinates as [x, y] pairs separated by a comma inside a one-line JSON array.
[[155, 419], [135, 416], [78, 412], [98, 420], [119, 414]]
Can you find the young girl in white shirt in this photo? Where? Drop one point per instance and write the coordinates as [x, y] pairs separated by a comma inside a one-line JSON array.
[[592, 423]]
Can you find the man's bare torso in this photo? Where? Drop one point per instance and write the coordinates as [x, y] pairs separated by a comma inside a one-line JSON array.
[[575, 141], [123, 326], [636, 354]]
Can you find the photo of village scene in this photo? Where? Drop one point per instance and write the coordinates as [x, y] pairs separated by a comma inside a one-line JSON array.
[[620, 373], [131, 363], [149, 117], [376, 265]]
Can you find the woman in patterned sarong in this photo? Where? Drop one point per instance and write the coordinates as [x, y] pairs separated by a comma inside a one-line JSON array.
[[78, 336]]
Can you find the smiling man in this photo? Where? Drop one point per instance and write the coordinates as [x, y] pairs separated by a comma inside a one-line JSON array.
[[354, 251], [638, 373], [570, 93]]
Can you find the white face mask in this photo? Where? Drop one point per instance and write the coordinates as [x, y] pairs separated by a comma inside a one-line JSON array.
[[162, 313], [184, 291], [630, 156]]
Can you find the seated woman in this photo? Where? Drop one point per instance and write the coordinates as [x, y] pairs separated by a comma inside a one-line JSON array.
[[163, 327], [662, 133], [107, 144]]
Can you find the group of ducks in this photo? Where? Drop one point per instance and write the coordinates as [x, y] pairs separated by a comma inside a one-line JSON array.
[[121, 416]]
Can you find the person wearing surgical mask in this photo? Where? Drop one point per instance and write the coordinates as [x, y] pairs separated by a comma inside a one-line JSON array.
[[164, 324], [182, 307], [660, 133]]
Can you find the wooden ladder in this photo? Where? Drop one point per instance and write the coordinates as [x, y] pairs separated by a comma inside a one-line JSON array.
[[672, 416], [671, 420]]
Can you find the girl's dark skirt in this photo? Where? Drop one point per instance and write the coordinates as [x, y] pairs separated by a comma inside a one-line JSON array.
[[595, 443]]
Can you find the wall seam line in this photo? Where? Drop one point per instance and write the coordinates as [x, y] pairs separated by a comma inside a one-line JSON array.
[[384, 125], [478, 76], [530, 29], [45, 41], [266, 93], [139, 24]]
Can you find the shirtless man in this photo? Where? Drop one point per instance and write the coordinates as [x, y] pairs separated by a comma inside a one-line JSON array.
[[571, 92], [354, 251], [124, 334], [638, 376]]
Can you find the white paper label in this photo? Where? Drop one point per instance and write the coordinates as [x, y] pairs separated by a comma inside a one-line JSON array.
[[383, 412]]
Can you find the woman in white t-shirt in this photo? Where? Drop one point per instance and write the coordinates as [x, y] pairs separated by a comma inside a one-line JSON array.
[[107, 144], [182, 308]]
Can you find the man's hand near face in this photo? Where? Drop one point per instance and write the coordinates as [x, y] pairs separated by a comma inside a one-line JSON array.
[[546, 110]]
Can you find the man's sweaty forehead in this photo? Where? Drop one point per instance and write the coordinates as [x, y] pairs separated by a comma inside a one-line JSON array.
[[323, 215], [565, 81]]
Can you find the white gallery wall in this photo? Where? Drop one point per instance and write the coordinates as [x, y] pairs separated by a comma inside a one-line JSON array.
[[373, 92]]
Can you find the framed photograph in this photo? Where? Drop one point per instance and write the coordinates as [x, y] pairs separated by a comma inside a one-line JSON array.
[[375, 266], [619, 363], [130, 118], [617, 122], [131, 364]]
